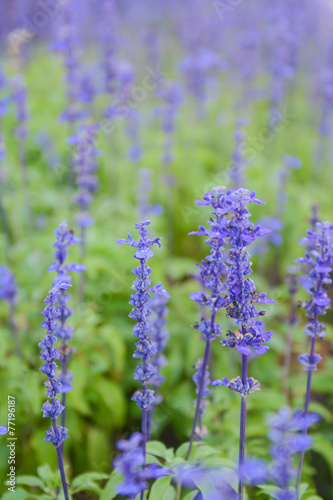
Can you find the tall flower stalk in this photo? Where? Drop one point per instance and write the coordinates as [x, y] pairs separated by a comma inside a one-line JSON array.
[[85, 166], [19, 96], [240, 300], [212, 270], [145, 372], [159, 336], [56, 434], [318, 266], [64, 239]]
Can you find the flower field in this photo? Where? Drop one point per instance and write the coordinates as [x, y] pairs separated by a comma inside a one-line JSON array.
[[166, 250]]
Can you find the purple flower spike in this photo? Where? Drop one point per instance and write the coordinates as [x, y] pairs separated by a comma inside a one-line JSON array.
[[3, 430], [146, 347], [85, 166], [318, 264], [64, 239], [49, 354]]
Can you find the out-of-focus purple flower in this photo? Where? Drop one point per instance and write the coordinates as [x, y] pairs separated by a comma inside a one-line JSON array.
[[133, 133], [64, 239], [85, 165], [171, 95], [8, 288], [3, 430], [287, 433], [239, 162], [144, 187], [131, 464], [19, 97], [109, 44]]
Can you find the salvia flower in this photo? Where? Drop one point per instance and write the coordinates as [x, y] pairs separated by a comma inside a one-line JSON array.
[[212, 270], [131, 464], [64, 239], [85, 166], [56, 434], [3, 430], [241, 295], [49, 354], [145, 372], [159, 336], [318, 264], [251, 385]]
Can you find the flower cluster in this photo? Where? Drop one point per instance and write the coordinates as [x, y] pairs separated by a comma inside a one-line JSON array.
[[201, 431], [130, 464], [64, 239], [159, 336], [52, 409], [85, 166], [213, 268], [241, 294], [236, 385], [319, 265], [145, 347]]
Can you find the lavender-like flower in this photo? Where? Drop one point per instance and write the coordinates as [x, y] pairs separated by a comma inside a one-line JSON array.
[[64, 239], [240, 299], [145, 347], [144, 208], [3, 430], [159, 336], [131, 464], [109, 43], [172, 97], [318, 264], [212, 270], [49, 354], [19, 97], [85, 166], [239, 162], [8, 292]]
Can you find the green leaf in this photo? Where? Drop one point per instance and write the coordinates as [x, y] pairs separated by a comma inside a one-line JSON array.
[[31, 481], [160, 488], [109, 490], [87, 477], [20, 494], [191, 495], [158, 449]]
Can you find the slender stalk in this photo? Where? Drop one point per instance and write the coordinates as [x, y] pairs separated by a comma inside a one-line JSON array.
[[82, 258], [25, 183], [306, 410], [14, 332], [199, 398], [242, 431], [62, 473], [288, 351]]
